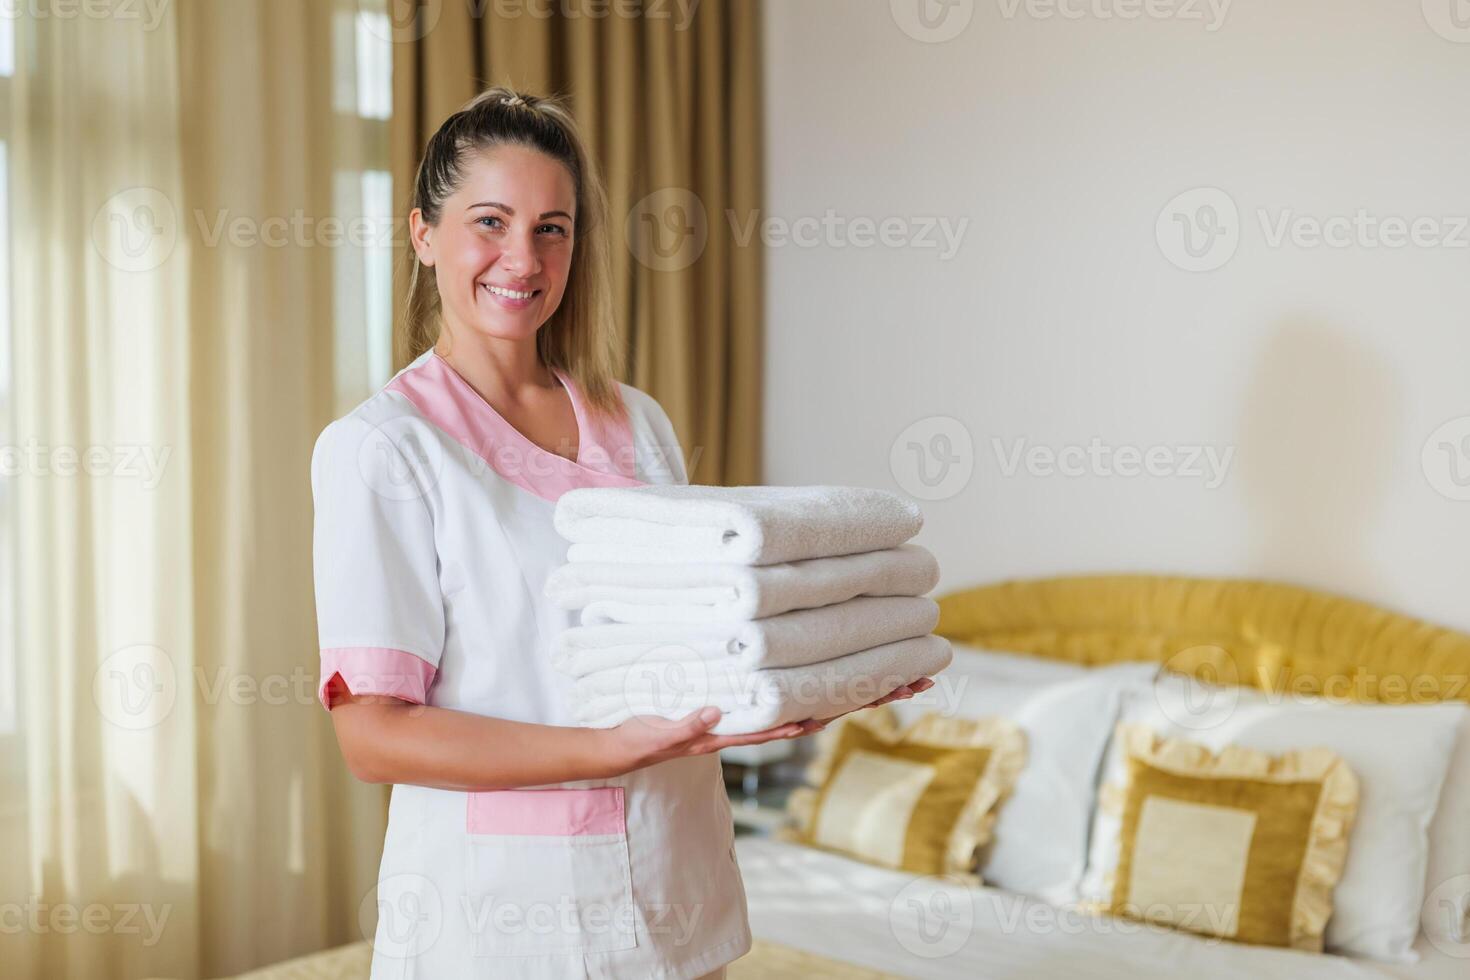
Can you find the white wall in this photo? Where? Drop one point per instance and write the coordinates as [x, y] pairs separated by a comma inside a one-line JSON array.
[[1060, 319]]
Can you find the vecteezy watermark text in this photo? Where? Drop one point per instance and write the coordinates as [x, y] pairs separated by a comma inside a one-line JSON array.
[[1211, 13], [1208, 463], [1201, 229]]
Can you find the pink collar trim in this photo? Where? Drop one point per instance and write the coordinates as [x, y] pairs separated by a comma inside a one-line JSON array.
[[605, 456]]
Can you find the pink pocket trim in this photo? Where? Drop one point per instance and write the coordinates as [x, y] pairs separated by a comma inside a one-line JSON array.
[[547, 812], [376, 670]]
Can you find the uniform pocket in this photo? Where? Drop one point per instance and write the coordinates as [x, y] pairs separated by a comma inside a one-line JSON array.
[[548, 871]]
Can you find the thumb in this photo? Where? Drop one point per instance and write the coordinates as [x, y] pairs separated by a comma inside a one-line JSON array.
[[697, 723]]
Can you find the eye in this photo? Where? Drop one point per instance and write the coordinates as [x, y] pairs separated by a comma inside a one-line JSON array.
[[554, 229], [489, 217]]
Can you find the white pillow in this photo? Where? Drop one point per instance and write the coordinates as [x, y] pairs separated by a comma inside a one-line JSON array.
[[1447, 885], [1039, 846], [1400, 754]]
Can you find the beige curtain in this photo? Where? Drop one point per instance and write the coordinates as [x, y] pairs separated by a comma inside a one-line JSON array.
[[176, 806], [671, 102]]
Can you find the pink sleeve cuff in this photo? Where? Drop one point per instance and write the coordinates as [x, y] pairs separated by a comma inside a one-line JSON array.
[[376, 670]]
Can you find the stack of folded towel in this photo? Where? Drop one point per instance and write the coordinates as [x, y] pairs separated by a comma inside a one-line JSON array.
[[775, 604]]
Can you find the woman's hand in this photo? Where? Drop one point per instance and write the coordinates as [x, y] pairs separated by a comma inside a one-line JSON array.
[[648, 740], [901, 693]]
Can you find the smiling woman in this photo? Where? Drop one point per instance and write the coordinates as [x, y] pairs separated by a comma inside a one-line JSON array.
[[433, 542]]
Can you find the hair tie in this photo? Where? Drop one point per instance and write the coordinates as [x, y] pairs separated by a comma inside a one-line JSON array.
[[513, 100]]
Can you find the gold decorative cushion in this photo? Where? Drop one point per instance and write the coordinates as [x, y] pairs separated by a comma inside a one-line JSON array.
[[920, 799], [1241, 845]]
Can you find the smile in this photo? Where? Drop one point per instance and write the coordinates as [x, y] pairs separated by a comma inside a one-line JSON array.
[[510, 293]]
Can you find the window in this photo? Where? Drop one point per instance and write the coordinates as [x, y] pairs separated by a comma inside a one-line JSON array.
[[363, 199], [9, 634]]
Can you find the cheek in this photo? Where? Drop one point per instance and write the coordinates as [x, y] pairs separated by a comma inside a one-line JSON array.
[[468, 255], [558, 262]]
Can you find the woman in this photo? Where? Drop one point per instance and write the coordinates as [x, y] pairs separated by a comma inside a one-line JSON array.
[[433, 539]]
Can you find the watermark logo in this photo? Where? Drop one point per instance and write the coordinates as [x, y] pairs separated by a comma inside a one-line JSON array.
[[681, 12], [668, 229], [932, 21], [1362, 229], [569, 920], [1210, 13], [1198, 688], [147, 13], [145, 921], [401, 916], [933, 459], [146, 464], [1445, 909], [1446, 459], [400, 459], [403, 21], [1450, 19], [135, 688], [1210, 464], [297, 230], [933, 916], [942, 233], [1199, 230], [136, 230], [665, 683]]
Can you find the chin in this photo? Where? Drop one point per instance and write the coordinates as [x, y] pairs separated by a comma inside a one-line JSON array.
[[504, 327]]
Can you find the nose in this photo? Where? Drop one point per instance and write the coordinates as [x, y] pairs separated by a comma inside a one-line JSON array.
[[519, 256]]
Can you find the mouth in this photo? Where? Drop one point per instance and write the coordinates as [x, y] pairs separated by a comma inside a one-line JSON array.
[[510, 299]]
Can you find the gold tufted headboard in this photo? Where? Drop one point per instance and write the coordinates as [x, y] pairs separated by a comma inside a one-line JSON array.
[[1265, 634]]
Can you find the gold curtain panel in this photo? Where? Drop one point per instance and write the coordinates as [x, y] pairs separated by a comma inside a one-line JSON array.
[[670, 102], [1264, 634]]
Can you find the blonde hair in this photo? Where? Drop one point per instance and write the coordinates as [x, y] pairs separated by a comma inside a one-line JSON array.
[[580, 337]]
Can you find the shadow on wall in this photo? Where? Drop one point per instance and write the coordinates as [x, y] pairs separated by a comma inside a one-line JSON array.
[[1317, 454]]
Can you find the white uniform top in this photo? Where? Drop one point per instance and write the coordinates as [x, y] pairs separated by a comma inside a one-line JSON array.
[[433, 540]]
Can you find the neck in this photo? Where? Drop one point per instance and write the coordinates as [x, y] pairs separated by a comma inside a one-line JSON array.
[[496, 367]]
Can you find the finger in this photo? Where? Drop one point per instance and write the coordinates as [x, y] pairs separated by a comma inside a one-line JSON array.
[[693, 725], [922, 684], [713, 743]]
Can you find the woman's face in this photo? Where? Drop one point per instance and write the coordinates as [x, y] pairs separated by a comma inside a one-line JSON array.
[[502, 248]]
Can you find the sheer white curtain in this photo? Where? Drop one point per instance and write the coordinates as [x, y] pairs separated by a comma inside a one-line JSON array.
[[99, 374], [192, 280]]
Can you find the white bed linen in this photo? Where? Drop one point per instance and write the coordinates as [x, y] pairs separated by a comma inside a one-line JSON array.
[[1445, 960], [846, 910]]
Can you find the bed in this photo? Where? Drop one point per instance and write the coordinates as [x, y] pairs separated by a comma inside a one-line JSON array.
[[841, 911], [820, 914], [765, 960]]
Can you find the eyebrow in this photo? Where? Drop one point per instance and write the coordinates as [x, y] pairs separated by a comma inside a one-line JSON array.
[[512, 211]]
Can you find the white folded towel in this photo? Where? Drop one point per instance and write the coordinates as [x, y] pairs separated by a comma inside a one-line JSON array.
[[803, 636], [746, 525], [613, 592], [762, 699]]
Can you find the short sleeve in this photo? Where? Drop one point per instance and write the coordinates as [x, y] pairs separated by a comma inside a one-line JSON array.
[[379, 606]]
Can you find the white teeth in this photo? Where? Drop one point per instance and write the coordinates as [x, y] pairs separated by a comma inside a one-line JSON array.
[[511, 293]]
